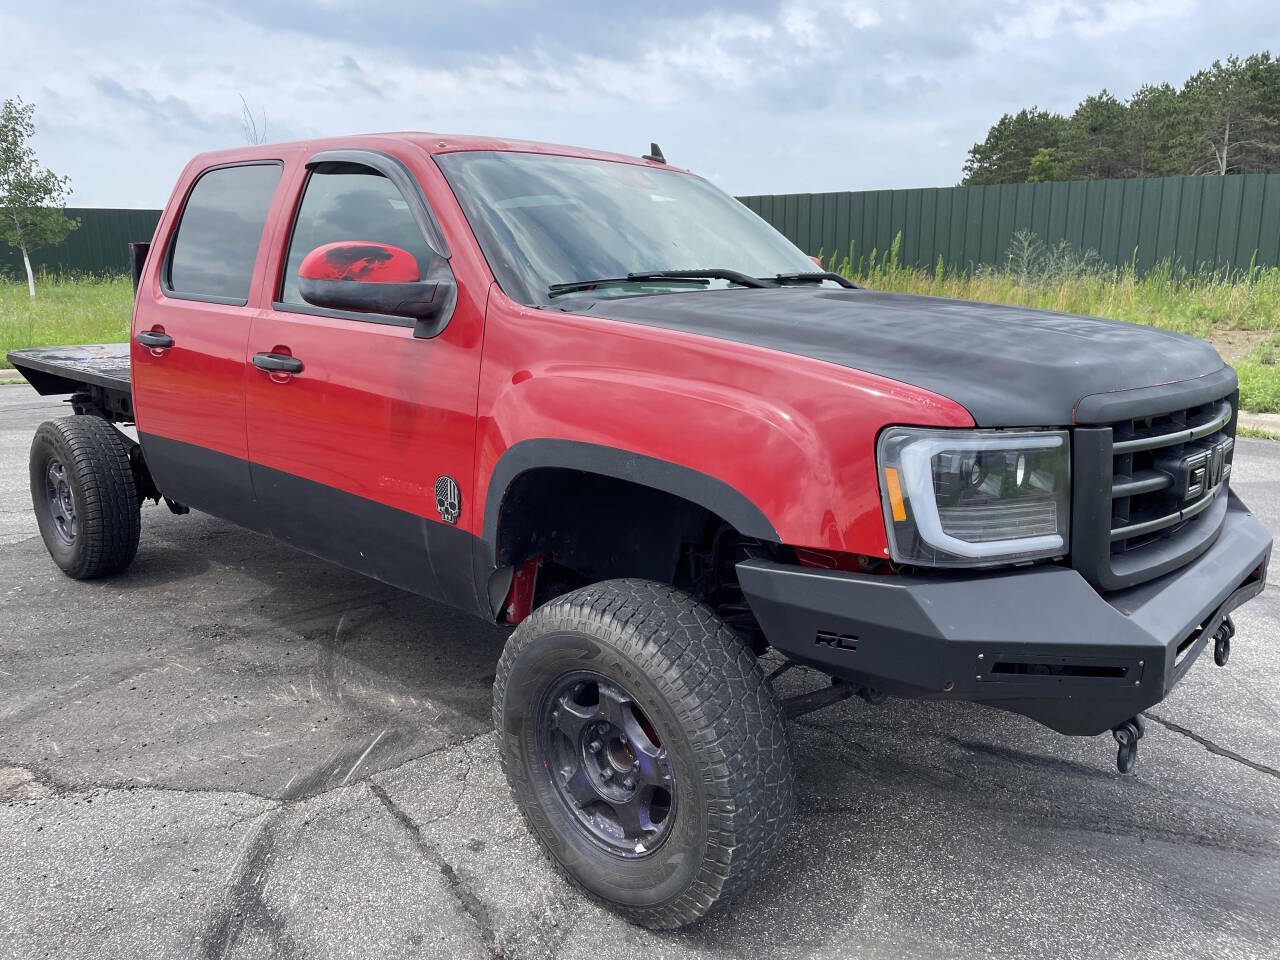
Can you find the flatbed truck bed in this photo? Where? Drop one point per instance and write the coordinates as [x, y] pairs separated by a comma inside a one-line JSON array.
[[97, 375]]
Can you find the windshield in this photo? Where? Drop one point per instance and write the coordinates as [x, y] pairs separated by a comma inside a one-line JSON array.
[[545, 220]]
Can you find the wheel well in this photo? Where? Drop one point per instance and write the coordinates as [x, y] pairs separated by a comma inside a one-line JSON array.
[[560, 529]]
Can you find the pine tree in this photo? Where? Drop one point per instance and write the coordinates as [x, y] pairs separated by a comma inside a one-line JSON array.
[[1224, 119]]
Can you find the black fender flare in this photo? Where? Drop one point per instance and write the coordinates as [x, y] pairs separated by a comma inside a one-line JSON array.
[[709, 492]]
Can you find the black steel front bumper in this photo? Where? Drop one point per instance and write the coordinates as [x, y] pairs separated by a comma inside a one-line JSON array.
[[1040, 642]]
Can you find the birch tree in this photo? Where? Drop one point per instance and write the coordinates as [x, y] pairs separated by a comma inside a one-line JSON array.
[[32, 198], [1220, 121]]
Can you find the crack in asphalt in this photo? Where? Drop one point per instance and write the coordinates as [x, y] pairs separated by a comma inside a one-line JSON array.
[[467, 899], [244, 903], [293, 797], [462, 790], [1214, 748]]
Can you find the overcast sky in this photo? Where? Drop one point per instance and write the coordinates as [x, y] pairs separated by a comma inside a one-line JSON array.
[[761, 97]]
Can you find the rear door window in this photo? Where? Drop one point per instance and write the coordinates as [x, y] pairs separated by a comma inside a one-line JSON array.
[[217, 242], [349, 202]]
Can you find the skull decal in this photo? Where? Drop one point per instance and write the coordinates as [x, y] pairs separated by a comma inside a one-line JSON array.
[[448, 499]]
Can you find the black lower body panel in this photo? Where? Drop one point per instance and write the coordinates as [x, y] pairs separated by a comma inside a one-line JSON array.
[[1039, 642], [212, 482], [406, 550], [403, 549]]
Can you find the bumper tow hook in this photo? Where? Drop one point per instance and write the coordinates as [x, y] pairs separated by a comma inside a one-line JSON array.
[[1222, 642], [1127, 735]]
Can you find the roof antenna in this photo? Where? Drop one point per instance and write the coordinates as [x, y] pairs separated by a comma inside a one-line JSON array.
[[654, 154]]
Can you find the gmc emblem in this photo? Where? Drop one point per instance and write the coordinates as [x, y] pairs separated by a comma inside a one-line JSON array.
[[1200, 472], [1204, 470], [1216, 459]]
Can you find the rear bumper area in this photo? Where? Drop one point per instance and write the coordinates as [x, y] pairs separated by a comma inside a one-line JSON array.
[[1040, 642]]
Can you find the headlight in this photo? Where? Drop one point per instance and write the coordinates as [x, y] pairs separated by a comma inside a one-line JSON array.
[[969, 498]]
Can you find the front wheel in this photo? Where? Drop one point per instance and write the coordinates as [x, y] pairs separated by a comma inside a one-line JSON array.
[[644, 747]]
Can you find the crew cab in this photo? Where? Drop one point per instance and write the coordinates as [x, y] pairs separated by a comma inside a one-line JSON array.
[[593, 398]]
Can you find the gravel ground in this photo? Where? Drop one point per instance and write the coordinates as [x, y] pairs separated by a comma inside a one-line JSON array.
[[234, 750]]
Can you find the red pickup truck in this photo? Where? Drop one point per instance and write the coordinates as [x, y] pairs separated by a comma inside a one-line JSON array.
[[594, 398]]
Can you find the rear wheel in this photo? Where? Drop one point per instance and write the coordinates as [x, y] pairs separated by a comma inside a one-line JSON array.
[[85, 498], [644, 748]]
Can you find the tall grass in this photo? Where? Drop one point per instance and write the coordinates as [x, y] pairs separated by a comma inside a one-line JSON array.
[[1059, 278], [65, 310], [1203, 303]]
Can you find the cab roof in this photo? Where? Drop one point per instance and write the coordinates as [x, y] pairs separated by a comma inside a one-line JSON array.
[[430, 143]]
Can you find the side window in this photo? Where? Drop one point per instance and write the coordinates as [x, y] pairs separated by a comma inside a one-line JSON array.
[[350, 202], [217, 241]]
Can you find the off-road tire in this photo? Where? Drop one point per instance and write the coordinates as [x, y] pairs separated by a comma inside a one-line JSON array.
[[94, 460], [705, 693]]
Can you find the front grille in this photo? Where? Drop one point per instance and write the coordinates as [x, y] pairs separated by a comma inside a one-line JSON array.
[[1166, 470], [1158, 491]]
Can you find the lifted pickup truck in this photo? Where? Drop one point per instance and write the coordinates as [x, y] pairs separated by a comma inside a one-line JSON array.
[[594, 398]]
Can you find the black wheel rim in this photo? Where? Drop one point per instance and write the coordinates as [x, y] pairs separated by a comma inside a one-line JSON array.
[[607, 764], [62, 507]]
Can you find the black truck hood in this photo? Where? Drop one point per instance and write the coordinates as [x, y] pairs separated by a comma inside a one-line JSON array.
[[1008, 366]]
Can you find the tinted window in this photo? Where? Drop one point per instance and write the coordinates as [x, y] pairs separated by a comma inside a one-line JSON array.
[[345, 202], [221, 228]]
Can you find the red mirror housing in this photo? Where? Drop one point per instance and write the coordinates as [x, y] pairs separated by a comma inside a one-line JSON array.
[[361, 261], [376, 278]]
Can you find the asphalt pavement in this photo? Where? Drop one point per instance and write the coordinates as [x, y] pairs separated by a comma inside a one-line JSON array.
[[235, 750]]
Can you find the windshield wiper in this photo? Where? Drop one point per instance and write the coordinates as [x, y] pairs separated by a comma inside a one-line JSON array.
[[696, 277], [713, 273], [574, 286], [815, 276]]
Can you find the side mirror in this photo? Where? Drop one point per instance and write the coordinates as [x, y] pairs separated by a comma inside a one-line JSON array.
[[371, 278]]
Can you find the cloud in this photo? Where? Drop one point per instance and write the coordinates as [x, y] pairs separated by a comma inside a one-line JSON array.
[[763, 96], [170, 114], [451, 37], [359, 79]]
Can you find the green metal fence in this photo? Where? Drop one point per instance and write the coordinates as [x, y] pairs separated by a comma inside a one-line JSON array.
[[1193, 222], [1190, 221], [100, 245]]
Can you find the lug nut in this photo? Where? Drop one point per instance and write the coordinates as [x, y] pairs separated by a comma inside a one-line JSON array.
[[629, 782], [606, 774], [595, 746]]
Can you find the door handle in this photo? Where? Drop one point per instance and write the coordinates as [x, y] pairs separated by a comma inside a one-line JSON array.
[[151, 339], [277, 363]]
